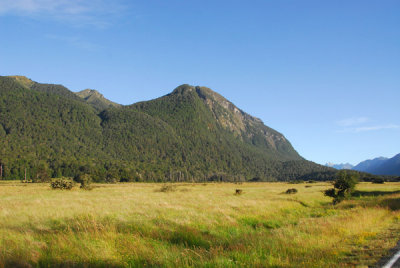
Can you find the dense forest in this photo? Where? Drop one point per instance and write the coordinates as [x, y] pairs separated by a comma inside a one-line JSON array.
[[191, 134]]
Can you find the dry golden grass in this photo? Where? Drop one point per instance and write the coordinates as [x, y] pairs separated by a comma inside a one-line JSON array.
[[134, 225]]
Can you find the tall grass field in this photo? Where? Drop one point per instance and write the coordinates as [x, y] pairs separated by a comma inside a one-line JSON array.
[[196, 225]]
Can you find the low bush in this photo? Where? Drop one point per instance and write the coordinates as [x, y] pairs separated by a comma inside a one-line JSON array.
[[167, 188], [238, 191], [62, 184], [291, 191]]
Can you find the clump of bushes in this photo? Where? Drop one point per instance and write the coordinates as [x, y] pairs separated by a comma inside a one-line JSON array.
[[167, 188], [85, 180], [291, 191], [62, 184], [238, 191], [344, 186]]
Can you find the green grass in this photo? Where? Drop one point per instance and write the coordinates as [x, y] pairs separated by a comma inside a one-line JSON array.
[[135, 225]]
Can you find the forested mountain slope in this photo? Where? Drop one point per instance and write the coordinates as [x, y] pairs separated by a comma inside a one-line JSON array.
[[191, 134]]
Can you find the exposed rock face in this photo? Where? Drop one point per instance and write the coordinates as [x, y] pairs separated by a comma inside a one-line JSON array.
[[23, 80], [241, 123], [248, 128]]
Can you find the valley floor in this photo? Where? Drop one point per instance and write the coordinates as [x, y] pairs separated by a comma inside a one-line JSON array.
[[139, 224]]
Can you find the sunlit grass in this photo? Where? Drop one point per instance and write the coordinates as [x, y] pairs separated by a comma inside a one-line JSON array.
[[195, 225]]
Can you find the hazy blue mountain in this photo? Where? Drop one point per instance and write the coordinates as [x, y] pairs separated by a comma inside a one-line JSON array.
[[339, 166], [370, 165], [390, 166]]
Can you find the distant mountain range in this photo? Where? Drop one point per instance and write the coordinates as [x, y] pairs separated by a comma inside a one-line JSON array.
[[340, 166], [190, 134], [370, 165], [377, 166]]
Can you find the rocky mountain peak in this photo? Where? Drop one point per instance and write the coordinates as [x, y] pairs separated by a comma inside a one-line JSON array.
[[96, 99], [87, 93]]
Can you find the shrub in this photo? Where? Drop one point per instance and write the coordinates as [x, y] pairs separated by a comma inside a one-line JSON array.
[[167, 188], [291, 191], [343, 186], [85, 180], [62, 184], [330, 192], [238, 191]]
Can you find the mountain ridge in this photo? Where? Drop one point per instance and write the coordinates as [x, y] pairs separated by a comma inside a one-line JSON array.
[[370, 165], [340, 166], [381, 166], [191, 134]]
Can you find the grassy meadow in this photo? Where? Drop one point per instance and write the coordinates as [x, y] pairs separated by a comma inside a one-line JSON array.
[[201, 225]]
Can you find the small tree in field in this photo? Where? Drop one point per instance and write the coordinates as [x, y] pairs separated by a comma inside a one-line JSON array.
[[85, 180], [344, 185]]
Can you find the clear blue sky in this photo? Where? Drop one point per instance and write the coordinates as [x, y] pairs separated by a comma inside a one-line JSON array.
[[324, 73]]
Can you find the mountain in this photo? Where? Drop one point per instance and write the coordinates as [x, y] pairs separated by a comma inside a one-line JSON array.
[[389, 167], [381, 166], [191, 134], [206, 112], [339, 166], [370, 165], [96, 99]]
